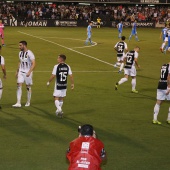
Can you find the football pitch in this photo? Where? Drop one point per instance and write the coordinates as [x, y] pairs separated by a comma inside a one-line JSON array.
[[33, 138]]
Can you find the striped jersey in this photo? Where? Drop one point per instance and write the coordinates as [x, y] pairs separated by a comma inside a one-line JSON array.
[[61, 71], [165, 70], [120, 47], [26, 59], [130, 59]]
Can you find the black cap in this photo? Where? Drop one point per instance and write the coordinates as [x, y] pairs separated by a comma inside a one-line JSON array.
[[86, 129]]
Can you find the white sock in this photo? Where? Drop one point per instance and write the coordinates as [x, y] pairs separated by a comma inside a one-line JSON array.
[[57, 104], [118, 64], [1, 93], [122, 80], [61, 103], [133, 84], [28, 94], [168, 114], [19, 94], [163, 45], [156, 111], [121, 67]]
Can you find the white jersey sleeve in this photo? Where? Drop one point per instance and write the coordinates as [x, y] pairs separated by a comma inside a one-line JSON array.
[[69, 72], [136, 54], [126, 46], [54, 70], [2, 61], [31, 55], [116, 45]]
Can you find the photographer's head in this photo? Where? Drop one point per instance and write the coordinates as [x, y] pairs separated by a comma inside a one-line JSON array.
[[86, 130]]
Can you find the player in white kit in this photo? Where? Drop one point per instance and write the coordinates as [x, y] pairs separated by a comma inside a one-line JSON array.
[[24, 72], [2, 63]]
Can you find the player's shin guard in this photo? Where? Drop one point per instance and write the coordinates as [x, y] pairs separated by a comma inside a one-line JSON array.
[[2, 41], [136, 37], [57, 104], [133, 84], [120, 35], [19, 94], [28, 94], [130, 37], [90, 41], [121, 67], [156, 111], [163, 45], [61, 103], [122, 80], [168, 115]]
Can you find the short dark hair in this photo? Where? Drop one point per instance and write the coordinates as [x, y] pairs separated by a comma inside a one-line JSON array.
[[123, 38], [86, 129], [23, 42], [62, 56]]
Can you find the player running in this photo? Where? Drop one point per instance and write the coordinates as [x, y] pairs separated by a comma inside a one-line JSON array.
[[164, 37], [120, 29], [98, 22], [129, 69], [2, 33], [134, 31], [163, 92], [24, 72], [121, 48], [2, 63], [89, 33], [60, 72]]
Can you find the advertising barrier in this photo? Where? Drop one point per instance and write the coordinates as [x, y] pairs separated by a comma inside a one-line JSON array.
[[68, 23], [139, 24]]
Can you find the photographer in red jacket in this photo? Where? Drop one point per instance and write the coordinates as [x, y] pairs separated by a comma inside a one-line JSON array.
[[86, 152]]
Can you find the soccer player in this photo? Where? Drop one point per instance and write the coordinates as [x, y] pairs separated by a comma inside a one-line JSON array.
[[86, 151], [2, 63], [120, 29], [24, 72], [121, 47], [2, 33], [89, 33], [163, 92], [129, 69], [98, 22], [60, 72], [134, 31], [164, 37]]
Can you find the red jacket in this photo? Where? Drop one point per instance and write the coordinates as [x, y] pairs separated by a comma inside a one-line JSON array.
[[85, 153]]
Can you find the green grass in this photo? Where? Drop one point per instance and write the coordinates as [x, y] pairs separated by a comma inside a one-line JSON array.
[[34, 138]]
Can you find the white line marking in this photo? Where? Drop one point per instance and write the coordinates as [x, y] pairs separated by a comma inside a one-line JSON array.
[[67, 48], [94, 43], [10, 71]]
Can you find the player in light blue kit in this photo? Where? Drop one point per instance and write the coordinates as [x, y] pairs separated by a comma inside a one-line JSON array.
[[134, 31], [164, 37], [89, 33], [120, 29]]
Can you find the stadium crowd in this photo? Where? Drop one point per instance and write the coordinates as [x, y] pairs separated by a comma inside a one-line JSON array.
[[84, 12]]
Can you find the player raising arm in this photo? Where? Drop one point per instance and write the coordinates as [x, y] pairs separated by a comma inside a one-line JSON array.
[[60, 72]]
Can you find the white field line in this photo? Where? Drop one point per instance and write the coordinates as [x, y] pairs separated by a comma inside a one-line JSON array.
[[67, 48], [94, 43], [10, 71]]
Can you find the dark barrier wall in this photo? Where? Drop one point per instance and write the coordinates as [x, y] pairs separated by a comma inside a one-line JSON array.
[[65, 23]]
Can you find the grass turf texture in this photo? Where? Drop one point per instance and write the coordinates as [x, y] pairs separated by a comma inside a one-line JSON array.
[[34, 138]]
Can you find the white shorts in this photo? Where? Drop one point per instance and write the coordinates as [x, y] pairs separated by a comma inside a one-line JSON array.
[[161, 95], [130, 72], [59, 93], [22, 78], [121, 58], [166, 39]]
